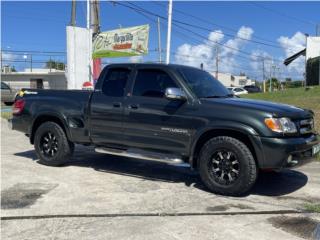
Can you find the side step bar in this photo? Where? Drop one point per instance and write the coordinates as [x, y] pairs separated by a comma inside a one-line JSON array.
[[140, 154]]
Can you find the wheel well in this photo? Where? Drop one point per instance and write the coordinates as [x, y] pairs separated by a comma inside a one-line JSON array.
[[42, 119], [221, 132]]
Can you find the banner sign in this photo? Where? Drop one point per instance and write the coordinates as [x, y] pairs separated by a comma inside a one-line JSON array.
[[124, 42]]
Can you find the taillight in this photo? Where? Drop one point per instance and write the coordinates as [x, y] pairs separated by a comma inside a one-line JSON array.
[[18, 106]]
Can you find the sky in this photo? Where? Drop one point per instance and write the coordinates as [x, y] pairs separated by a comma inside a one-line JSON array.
[[246, 35]]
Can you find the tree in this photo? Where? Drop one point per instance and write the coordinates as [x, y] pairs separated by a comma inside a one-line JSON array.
[[275, 84], [13, 69], [55, 65]]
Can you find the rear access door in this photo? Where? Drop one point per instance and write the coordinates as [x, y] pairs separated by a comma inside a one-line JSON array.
[[106, 111]]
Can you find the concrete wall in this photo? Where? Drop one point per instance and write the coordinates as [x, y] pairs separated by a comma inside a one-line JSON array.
[[78, 48], [22, 80], [229, 80]]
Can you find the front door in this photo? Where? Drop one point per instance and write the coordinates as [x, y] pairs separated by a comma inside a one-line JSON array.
[[153, 122], [106, 113]]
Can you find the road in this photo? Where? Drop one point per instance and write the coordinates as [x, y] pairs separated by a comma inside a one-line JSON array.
[[98, 196]]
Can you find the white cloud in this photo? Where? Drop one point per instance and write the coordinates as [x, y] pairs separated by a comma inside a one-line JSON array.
[[257, 62], [8, 56], [291, 46], [205, 53]]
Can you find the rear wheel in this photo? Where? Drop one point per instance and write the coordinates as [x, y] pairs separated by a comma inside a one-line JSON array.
[[227, 166], [51, 144]]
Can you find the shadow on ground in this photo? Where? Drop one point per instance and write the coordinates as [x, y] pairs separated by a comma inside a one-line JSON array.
[[268, 184]]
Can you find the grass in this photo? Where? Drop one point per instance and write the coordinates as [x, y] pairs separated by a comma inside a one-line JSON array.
[[312, 207], [6, 115]]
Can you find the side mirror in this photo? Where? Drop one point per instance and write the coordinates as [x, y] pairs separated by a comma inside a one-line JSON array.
[[175, 94]]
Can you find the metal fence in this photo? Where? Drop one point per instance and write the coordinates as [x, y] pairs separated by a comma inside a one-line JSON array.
[[13, 60]]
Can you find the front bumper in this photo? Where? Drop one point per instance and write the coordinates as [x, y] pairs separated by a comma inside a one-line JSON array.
[[288, 152]]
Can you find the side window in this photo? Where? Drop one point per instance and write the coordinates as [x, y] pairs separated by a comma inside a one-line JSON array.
[[115, 82], [152, 83]]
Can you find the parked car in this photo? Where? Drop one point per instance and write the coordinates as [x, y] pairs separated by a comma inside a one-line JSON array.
[[173, 114], [7, 94], [252, 89], [237, 90]]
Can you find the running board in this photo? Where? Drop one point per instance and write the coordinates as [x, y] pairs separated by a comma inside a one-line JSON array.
[[140, 154]]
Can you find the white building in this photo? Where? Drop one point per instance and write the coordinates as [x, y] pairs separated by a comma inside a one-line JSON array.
[[230, 80], [35, 78]]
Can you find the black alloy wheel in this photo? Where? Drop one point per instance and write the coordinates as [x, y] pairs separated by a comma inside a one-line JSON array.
[[224, 167], [49, 144]]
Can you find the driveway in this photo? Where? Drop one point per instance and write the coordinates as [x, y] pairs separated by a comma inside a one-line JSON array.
[[98, 196]]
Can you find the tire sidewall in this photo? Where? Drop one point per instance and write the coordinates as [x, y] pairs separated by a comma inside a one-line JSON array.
[[244, 157], [64, 147]]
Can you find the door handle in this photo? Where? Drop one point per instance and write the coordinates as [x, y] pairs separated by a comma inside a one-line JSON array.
[[117, 104], [133, 106]]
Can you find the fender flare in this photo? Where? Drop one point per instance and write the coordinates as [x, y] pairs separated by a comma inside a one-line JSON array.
[[230, 126], [48, 113]]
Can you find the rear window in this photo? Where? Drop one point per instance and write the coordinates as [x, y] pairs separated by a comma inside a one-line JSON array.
[[115, 82]]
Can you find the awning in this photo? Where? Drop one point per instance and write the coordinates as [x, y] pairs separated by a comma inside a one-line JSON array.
[[294, 57]]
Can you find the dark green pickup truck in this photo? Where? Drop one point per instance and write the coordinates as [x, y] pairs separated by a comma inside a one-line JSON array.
[[169, 113]]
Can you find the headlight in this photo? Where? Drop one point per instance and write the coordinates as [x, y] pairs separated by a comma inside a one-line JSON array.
[[281, 125]]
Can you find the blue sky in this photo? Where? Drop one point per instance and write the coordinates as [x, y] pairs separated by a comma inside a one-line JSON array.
[[40, 26]]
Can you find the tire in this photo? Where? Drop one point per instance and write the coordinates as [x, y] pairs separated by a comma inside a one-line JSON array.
[[224, 155], [51, 144]]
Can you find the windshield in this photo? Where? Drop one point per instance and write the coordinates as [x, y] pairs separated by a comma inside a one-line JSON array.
[[203, 84]]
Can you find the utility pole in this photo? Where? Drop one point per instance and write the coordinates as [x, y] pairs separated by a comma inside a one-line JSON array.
[[159, 41], [73, 14], [271, 75], [217, 61], [169, 31], [95, 17], [30, 62], [263, 76], [306, 61], [95, 25]]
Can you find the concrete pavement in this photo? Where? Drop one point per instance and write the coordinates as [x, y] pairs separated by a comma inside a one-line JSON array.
[[97, 196]]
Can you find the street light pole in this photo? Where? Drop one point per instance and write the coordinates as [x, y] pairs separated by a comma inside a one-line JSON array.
[[89, 40], [169, 31], [306, 60], [159, 41]]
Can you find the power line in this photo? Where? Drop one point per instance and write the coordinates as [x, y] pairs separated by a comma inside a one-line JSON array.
[[139, 9], [23, 52], [204, 28], [211, 23], [193, 57], [283, 14]]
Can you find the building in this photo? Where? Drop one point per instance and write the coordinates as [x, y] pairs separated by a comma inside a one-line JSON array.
[[230, 80], [40, 78], [312, 60]]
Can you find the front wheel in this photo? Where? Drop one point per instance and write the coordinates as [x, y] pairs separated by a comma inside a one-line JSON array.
[[227, 166], [51, 144]]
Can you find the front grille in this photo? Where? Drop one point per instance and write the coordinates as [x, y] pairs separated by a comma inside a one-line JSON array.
[[306, 126]]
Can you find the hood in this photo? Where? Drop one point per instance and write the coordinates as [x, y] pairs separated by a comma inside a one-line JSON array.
[[276, 109]]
